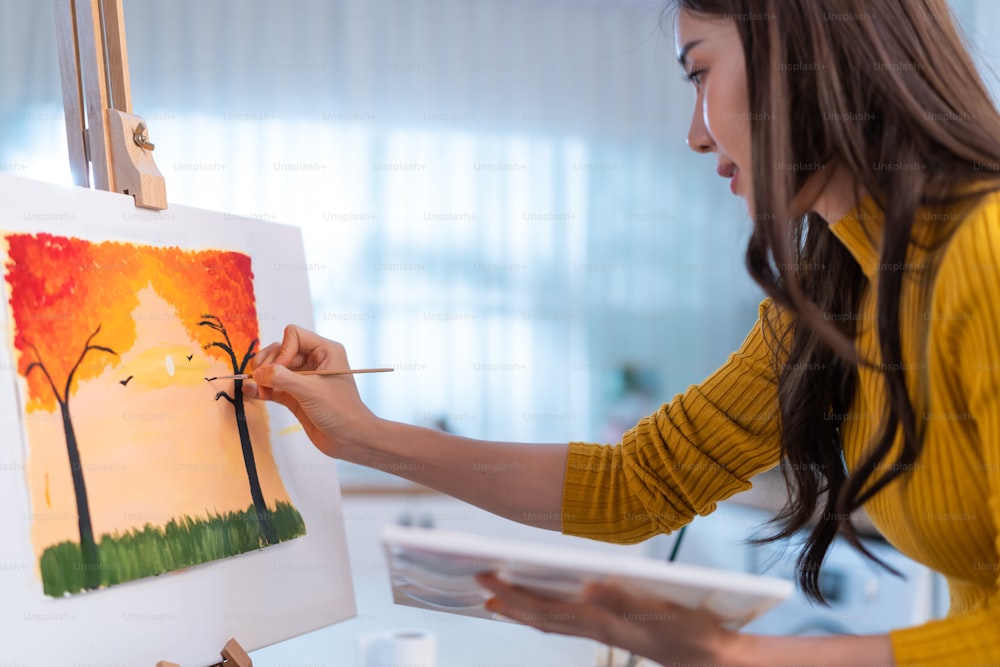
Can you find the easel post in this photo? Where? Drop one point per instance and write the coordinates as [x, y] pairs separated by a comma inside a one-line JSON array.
[[101, 132]]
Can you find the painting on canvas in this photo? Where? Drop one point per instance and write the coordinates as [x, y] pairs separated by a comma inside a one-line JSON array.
[[138, 461], [150, 510]]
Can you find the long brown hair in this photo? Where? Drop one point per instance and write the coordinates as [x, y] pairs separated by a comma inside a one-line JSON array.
[[923, 132]]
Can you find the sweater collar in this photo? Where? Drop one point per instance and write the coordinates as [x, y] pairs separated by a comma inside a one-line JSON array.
[[860, 232]]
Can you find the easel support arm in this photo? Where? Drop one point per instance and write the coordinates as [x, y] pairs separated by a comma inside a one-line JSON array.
[[102, 133]]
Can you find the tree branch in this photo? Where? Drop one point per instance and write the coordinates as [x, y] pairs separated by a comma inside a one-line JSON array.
[[226, 396], [225, 334], [228, 350], [38, 364], [87, 347], [213, 325], [249, 355], [228, 347], [218, 344]]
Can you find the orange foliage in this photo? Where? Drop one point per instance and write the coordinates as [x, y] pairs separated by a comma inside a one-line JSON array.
[[62, 290], [211, 282]]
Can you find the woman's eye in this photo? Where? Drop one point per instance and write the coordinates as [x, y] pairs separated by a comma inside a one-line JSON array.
[[695, 76]]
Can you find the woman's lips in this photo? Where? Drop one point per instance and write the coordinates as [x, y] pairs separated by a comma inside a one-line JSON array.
[[731, 172]]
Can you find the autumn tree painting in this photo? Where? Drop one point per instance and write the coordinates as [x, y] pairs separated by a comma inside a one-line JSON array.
[[67, 301], [224, 321], [134, 469]]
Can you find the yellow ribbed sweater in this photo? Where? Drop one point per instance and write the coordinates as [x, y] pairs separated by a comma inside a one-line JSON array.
[[708, 442]]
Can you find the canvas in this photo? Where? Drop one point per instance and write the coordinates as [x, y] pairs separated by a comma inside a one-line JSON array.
[[125, 458], [175, 471]]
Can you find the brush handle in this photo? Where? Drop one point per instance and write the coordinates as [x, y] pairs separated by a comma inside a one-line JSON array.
[[349, 371]]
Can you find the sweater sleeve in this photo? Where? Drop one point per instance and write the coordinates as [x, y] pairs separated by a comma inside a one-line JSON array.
[[700, 448], [966, 299]]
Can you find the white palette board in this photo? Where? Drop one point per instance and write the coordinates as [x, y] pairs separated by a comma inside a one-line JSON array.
[[435, 569]]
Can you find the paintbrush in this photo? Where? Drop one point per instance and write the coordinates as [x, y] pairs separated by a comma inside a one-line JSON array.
[[349, 371]]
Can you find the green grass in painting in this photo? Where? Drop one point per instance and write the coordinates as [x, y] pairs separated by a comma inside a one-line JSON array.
[[152, 550]]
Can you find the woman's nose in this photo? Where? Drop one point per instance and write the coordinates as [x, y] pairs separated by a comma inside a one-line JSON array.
[[699, 146], [699, 140]]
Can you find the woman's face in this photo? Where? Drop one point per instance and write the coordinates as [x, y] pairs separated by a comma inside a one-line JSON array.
[[711, 54]]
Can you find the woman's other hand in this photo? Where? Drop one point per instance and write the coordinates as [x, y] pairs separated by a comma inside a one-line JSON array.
[[647, 626]]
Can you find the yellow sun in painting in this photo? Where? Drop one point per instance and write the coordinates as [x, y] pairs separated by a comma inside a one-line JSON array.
[[165, 365]]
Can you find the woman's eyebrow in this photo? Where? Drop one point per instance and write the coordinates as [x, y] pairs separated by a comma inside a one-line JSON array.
[[682, 56]]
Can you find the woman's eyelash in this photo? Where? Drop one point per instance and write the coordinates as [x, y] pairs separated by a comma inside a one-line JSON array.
[[694, 76]]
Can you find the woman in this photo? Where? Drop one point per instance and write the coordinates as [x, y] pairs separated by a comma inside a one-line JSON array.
[[872, 375]]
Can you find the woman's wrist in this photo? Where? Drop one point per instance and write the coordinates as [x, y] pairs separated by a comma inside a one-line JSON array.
[[750, 650], [736, 649], [361, 443]]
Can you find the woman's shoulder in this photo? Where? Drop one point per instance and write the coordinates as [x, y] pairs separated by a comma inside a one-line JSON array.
[[970, 262], [977, 229]]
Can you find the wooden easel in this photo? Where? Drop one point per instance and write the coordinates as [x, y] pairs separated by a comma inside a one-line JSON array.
[[233, 655], [109, 147], [102, 134]]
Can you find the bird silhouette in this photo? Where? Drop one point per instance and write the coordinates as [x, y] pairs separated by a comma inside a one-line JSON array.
[[125, 382], [190, 357]]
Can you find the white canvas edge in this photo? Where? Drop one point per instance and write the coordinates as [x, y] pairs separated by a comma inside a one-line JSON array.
[[259, 598]]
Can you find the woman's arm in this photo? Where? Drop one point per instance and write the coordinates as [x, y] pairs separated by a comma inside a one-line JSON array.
[[522, 482], [702, 447]]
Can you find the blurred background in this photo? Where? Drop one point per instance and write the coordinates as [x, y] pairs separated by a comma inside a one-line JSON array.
[[496, 200], [496, 197]]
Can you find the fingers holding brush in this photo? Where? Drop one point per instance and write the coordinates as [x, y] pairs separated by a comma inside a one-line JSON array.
[[291, 373]]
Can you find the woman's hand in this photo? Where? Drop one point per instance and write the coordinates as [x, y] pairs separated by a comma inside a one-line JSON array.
[[328, 407], [647, 626]]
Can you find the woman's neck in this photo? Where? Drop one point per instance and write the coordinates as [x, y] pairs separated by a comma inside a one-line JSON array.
[[838, 193]]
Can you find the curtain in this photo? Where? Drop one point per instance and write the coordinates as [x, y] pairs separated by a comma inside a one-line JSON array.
[[495, 195]]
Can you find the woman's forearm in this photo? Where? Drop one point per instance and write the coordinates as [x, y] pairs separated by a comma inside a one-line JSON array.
[[522, 482], [747, 650]]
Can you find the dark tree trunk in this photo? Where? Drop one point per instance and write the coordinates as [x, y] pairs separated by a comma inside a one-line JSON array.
[[260, 507], [88, 548]]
